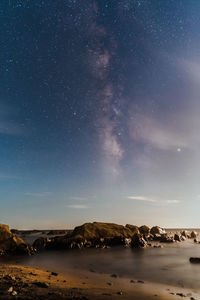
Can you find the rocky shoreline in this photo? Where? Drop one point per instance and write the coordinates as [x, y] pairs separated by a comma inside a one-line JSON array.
[[103, 235], [22, 282], [93, 235]]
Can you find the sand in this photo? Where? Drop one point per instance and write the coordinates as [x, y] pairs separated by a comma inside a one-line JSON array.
[[24, 282]]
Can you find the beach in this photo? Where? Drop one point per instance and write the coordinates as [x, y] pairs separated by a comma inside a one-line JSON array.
[[24, 282]]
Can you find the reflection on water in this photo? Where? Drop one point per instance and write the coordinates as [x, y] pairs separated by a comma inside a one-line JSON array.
[[168, 265]]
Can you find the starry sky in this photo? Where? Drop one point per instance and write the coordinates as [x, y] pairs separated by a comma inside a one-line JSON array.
[[99, 112]]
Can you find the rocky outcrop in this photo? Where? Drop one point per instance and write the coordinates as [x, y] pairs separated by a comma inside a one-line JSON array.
[[167, 238], [186, 234], [10, 244], [194, 235], [157, 230], [97, 230], [144, 230], [177, 237], [96, 234], [138, 241], [103, 235], [41, 243], [133, 228]]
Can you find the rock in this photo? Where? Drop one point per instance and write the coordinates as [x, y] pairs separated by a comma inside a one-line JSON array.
[[113, 275], [186, 234], [54, 273], [10, 244], [41, 284], [144, 230], [96, 234], [196, 241], [9, 278], [194, 234], [41, 243], [14, 293], [195, 260], [157, 246], [157, 230], [127, 242], [132, 281], [180, 294], [10, 290], [138, 241], [165, 238], [140, 281], [119, 293], [133, 228], [97, 230], [177, 237], [114, 241]]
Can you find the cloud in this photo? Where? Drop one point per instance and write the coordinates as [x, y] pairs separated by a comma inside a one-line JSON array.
[[141, 198], [157, 134], [155, 201], [78, 198], [44, 194], [77, 206], [172, 201], [175, 130]]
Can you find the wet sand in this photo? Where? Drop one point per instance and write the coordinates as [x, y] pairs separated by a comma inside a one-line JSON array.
[[24, 282]]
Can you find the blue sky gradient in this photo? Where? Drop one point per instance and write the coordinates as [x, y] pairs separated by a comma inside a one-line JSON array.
[[99, 112]]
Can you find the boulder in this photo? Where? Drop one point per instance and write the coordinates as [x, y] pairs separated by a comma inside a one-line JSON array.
[[127, 242], [156, 237], [166, 238], [10, 244], [157, 230], [195, 260], [177, 237], [194, 234], [186, 234], [138, 241], [96, 234], [133, 228], [163, 238], [144, 230], [97, 230], [41, 243], [196, 241]]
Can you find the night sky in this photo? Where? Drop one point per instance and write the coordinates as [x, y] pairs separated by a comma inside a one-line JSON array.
[[99, 112]]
